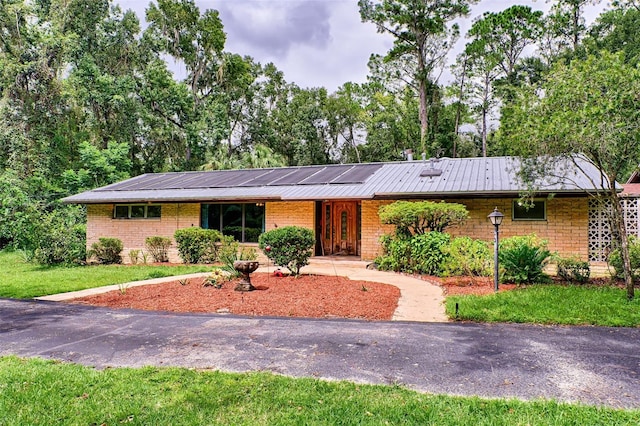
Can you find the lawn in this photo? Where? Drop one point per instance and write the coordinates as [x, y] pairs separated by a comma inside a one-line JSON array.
[[550, 304], [45, 392], [23, 280]]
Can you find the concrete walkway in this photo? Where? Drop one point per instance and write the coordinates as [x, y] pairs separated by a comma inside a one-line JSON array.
[[419, 300]]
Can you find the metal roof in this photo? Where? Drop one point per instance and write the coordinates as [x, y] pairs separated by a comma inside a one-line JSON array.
[[441, 178]]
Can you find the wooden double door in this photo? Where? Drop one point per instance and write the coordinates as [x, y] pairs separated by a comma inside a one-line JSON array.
[[340, 228]]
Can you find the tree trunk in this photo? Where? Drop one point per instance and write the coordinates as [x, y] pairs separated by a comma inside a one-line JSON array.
[[459, 107], [617, 219], [424, 119]]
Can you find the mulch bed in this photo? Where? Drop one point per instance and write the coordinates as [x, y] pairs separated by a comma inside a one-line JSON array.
[[313, 296]]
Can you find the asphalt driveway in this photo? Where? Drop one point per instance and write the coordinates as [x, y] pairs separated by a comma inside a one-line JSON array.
[[592, 365]]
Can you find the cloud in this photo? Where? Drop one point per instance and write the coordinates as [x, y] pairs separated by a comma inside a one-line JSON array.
[[275, 27]]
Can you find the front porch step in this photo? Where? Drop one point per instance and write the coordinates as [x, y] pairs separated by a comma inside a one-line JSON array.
[[344, 261]]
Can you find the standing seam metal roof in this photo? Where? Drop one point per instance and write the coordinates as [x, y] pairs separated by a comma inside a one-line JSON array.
[[460, 177]]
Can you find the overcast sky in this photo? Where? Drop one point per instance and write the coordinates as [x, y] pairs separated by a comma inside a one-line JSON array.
[[316, 42]]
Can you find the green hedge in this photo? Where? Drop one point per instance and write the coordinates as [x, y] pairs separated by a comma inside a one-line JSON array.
[[197, 245]]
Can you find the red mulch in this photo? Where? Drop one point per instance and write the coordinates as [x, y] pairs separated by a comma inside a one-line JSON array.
[[469, 285], [313, 296]]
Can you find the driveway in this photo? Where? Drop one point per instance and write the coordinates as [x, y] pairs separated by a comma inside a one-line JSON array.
[[592, 365]]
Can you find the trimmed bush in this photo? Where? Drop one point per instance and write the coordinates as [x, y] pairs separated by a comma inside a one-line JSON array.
[[466, 256], [615, 259], [420, 217], [290, 247], [573, 269], [523, 258], [107, 250], [197, 245], [158, 247]]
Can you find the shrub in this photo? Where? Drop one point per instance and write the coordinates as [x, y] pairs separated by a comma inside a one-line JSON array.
[[230, 251], [107, 250], [523, 258], [615, 259], [134, 256], [466, 256], [426, 252], [217, 278], [397, 253], [196, 245], [158, 247], [421, 254], [290, 247], [573, 269], [419, 217], [62, 246]]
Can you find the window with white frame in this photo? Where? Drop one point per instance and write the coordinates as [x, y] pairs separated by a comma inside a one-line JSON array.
[[137, 211]]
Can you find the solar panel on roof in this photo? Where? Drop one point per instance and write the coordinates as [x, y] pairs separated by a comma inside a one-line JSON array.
[[326, 175], [226, 178], [297, 176], [358, 174], [139, 182], [268, 176]]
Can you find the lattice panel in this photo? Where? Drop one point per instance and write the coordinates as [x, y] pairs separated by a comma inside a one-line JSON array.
[[631, 216], [600, 235]]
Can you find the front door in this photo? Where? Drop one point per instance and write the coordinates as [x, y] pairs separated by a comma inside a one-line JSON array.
[[339, 227]]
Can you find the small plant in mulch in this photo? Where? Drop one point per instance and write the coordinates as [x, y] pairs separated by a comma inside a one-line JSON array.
[[122, 288], [184, 281], [216, 279]]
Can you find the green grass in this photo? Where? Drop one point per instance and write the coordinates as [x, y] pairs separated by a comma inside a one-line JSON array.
[[551, 304], [44, 392], [24, 280]]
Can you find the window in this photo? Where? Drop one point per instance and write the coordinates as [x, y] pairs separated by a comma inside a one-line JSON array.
[[536, 211], [137, 211], [244, 222]]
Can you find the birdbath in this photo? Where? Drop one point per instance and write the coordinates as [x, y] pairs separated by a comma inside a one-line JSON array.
[[245, 267]]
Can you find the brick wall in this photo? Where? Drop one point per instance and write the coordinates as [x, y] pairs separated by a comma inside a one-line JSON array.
[[372, 229], [132, 232], [290, 213], [566, 227]]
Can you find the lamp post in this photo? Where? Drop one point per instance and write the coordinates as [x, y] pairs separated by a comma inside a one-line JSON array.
[[496, 219]]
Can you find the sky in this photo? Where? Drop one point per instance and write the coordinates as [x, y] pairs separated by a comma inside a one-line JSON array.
[[319, 43]]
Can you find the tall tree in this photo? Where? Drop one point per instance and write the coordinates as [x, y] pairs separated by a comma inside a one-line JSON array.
[[565, 27], [588, 108], [498, 41], [616, 30], [420, 29]]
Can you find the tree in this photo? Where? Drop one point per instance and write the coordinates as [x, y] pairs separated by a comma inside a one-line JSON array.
[[498, 41], [564, 27], [420, 30], [617, 31], [588, 109]]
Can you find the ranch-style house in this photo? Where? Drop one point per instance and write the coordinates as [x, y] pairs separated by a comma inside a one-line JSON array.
[[340, 203]]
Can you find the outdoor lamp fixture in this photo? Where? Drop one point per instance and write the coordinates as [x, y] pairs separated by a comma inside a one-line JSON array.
[[496, 219]]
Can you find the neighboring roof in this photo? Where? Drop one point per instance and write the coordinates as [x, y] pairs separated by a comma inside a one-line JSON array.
[[442, 178], [630, 190]]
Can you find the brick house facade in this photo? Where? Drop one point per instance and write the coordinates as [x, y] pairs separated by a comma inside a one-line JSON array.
[[339, 203]]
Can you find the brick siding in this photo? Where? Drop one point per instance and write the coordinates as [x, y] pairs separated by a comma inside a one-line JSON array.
[[291, 213], [566, 227], [132, 232]]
